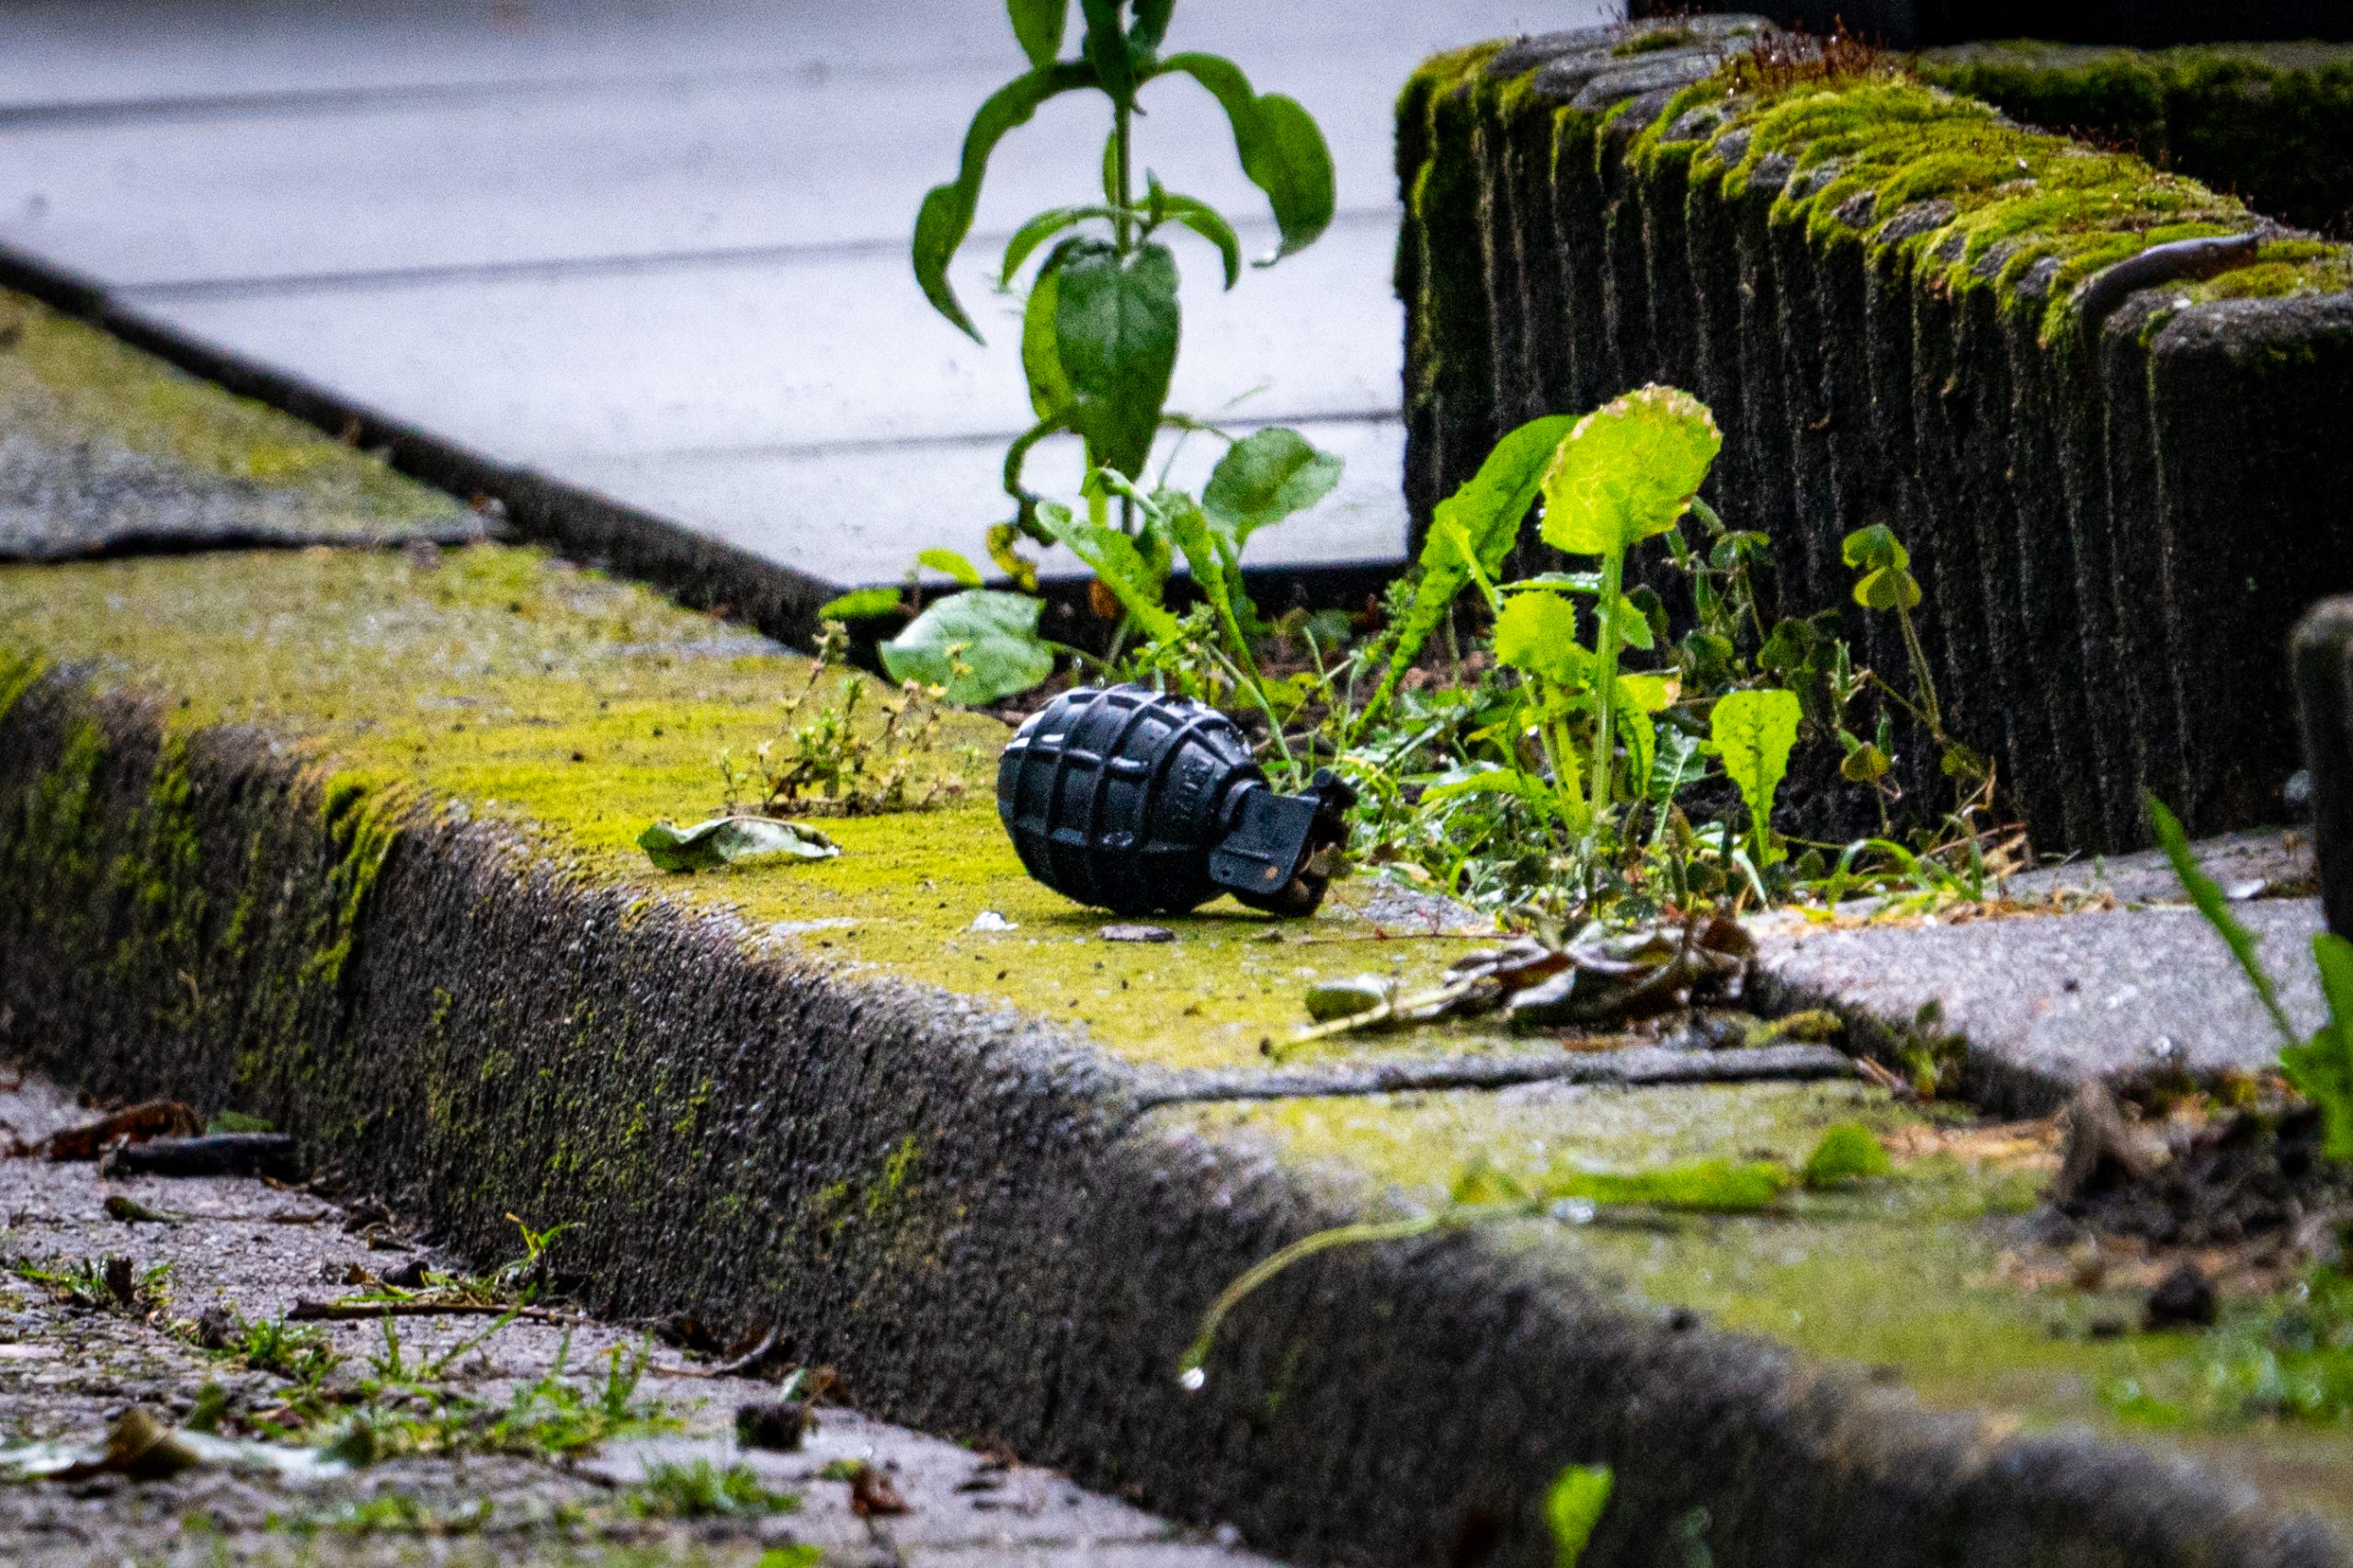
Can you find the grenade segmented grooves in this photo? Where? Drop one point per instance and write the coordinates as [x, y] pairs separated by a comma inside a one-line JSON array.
[[1115, 797], [1141, 804]]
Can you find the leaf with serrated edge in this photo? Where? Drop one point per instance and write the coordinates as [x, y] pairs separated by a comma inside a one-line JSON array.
[[1628, 471]]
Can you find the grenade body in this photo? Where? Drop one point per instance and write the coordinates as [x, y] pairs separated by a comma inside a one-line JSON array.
[[1141, 804]]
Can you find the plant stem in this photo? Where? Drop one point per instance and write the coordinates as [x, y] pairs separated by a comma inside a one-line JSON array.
[[1913, 651], [1123, 134], [1613, 577]]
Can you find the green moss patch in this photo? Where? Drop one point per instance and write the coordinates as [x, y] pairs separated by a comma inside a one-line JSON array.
[[1915, 1272], [2272, 123], [580, 709]]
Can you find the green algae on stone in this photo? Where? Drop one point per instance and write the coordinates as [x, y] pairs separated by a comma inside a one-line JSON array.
[[107, 445], [2271, 122], [580, 709], [1913, 1272]]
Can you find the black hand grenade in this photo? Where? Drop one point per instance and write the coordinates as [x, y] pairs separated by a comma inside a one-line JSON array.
[[1145, 805]]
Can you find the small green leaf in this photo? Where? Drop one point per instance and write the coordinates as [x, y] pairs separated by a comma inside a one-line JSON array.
[[946, 215], [725, 840], [1039, 24], [1753, 732], [1890, 587], [1113, 556], [1572, 1508], [1875, 548], [1209, 554], [1151, 25], [1864, 765], [2207, 894], [1116, 327], [1628, 471], [982, 645], [1107, 49], [1265, 477], [1041, 229], [1486, 512], [861, 604], [2323, 1070], [1536, 634], [950, 564], [1848, 1153], [1283, 152], [1208, 223]]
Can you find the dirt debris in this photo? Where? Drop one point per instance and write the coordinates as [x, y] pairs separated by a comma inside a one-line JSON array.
[[160, 1401]]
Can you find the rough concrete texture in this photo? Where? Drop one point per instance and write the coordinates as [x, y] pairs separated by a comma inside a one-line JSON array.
[[448, 1487], [106, 451], [2107, 468], [260, 899], [2043, 1004]]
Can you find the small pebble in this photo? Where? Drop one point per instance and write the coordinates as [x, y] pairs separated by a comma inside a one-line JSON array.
[[1137, 933]]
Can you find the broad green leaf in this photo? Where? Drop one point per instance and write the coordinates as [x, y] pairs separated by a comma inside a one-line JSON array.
[[1038, 24], [1536, 634], [1282, 151], [723, 840], [1628, 471], [1116, 325], [982, 645], [1573, 1508], [946, 215], [1113, 556], [1677, 762], [1041, 229], [1753, 732], [2323, 1070], [1107, 48], [1645, 693], [2207, 894], [950, 564], [860, 604], [1208, 223], [1042, 356], [1264, 478]]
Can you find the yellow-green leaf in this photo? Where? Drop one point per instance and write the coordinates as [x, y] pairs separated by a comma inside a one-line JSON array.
[[1628, 471]]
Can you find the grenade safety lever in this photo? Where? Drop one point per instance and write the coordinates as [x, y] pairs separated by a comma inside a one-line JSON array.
[[1146, 804]]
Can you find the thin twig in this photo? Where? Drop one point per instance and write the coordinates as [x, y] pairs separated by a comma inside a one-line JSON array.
[[363, 1311]]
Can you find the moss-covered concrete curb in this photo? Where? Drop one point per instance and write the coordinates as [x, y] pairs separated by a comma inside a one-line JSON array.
[[2272, 123], [2098, 402], [970, 1210]]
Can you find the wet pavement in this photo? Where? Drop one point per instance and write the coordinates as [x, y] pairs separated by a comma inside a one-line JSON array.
[[483, 1429]]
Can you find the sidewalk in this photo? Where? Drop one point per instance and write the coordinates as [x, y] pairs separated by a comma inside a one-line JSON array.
[[657, 253]]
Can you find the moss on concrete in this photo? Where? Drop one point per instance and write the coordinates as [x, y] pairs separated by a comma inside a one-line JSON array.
[[2272, 123], [1914, 1273], [580, 709], [117, 430]]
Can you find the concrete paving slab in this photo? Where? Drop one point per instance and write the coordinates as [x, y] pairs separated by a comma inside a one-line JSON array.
[[795, 354], [2045, 1003], [103, 451], [2264, 863], [666, 238], [835, 511]]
